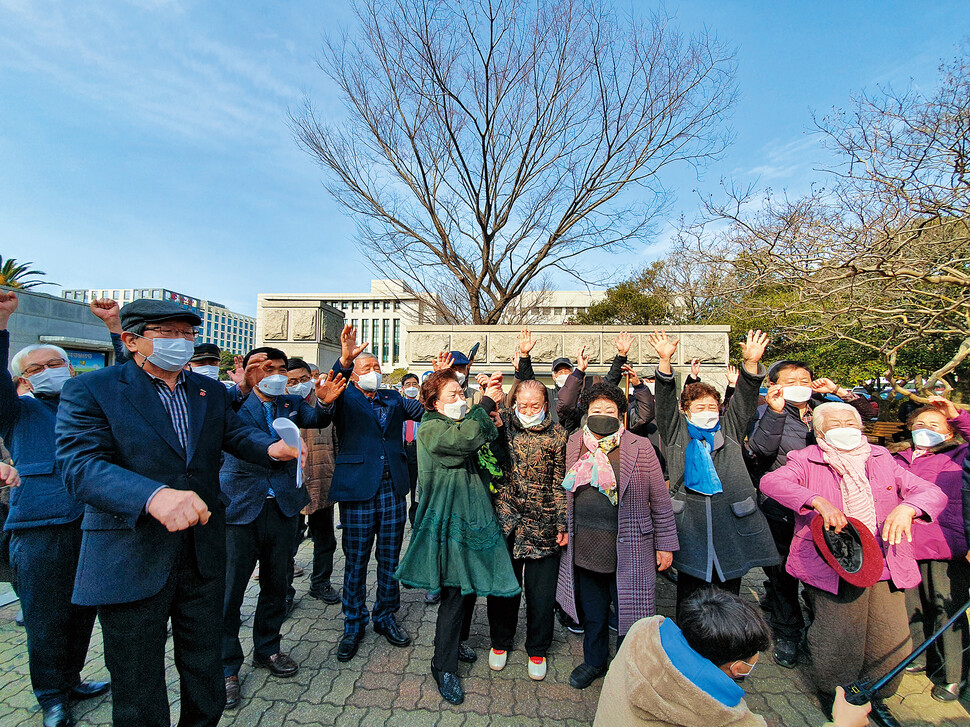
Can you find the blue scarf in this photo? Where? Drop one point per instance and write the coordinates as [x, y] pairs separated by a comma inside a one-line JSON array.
[[699, 473]]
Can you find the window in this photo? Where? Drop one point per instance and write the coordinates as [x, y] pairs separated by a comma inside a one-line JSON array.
[[397, 305], [387, 305], [353, 322], [397, 339], [366, 305], [343, 306], [385, 341], [375, 337], [364, 328]]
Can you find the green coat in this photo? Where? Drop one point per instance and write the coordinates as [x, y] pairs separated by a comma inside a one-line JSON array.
[[456, 540]]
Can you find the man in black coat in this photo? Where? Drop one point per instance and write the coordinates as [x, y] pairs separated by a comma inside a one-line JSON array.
[[139, 445]]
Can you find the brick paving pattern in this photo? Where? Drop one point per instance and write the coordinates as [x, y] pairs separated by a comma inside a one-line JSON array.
[[390, 687]]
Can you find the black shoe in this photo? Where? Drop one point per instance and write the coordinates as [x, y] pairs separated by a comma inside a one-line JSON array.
[[947, 692], [432, 597], [393, 632], [881, 716], [327, 594], [279, 664], [466, 654], [232, 692], [449, 685], [288, 607], [58, 715], [347, 648], [584, 675], [86, 690], [567, 622], [785, 653]]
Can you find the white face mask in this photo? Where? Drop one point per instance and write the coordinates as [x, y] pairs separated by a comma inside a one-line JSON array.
[[530, 420], [211, 371], [461, 379], [302, 389], [844, 438], [560, 380], [50, 381], [928, 438], [455, 410], [371, 381], [797, 394], [272, 385], [170, 354], [411, 392], [704, 419]]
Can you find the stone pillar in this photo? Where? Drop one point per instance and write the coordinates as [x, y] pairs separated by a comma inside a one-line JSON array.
[[304, 328]]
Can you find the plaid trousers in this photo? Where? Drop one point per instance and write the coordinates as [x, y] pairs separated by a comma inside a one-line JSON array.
[[383, 517]]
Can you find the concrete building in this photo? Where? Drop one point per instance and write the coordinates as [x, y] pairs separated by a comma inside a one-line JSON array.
[[230, 331], [555, 307], [43, 318]]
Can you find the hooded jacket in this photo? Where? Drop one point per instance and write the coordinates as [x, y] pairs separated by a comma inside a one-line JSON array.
[[646, 688]]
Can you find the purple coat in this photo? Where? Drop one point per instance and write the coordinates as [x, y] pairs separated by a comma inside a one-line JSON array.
[[646, 525], [943, 539], [806, 475]]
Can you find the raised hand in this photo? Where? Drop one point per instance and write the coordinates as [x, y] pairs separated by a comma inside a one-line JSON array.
[[628, 371], [108, 311], [526, 342], [328, 389], [494, 390], [482, 380], [695, 368], [236, 374], [623, 343], [178, 509], [825, 386], [775, 398], [8, 304], [732, 376], [443, 362], [944, 406], [582, 361], [665, 348], [349, 350], [514, 360], [752, 349], [250, 375]]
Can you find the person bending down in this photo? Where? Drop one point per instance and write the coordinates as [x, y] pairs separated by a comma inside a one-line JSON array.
[[665, 676]]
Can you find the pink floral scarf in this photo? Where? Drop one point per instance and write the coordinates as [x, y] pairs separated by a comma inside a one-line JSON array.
[[593, 467]]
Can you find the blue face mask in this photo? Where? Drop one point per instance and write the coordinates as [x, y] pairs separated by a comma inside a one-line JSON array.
[[49, 381], [927, 438], [170, 354], [272, 385]]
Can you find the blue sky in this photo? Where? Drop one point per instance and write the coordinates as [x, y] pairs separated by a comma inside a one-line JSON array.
[[144, 143]]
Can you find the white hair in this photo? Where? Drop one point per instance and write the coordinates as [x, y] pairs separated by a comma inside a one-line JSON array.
[[364, 357], [830, 407], [20, 358]]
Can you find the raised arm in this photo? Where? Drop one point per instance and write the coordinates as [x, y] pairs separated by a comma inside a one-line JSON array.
[[743, 406], [9, 401], [623, 343]]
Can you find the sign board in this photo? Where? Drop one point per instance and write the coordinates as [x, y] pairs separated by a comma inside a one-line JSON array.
[[84, 361]]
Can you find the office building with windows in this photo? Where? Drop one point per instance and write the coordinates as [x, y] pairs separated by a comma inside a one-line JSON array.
[[230, 331]]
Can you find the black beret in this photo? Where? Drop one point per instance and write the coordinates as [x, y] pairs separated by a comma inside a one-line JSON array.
[[205, 350], [146, 310]]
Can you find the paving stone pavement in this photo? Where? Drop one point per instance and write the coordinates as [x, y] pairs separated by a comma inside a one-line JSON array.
[[391, 687]]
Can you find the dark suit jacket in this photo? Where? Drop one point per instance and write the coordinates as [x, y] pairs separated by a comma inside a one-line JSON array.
[[116, 446], [246, 484], [365, 446]]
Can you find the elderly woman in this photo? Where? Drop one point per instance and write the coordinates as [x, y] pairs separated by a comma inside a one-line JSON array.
[[456, 545], [722, 532], [858, 633], [531, 508], [940, 547], [620, 527]]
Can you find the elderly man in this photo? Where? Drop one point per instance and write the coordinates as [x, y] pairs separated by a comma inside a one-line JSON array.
[[45, 526], [370, 481], [139, 446]]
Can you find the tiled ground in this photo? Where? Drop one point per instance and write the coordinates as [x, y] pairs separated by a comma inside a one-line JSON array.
[[391, 687]]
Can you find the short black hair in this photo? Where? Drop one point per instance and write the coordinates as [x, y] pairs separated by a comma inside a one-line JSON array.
[[298, 363], [777, 368], [722, 627], [603, 391], [273, 354], [410, 376]]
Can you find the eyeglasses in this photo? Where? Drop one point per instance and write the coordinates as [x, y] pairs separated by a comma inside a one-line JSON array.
[[166, 332], [54, 363], [301, 380]]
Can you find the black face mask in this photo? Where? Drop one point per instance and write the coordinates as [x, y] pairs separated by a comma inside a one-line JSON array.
[[602, 425]]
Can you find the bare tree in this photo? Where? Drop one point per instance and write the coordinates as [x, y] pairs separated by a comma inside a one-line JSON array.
[[881, 256], [488, 143]]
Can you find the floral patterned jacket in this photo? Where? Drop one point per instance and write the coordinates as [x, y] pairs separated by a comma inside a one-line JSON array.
[[531, 503]]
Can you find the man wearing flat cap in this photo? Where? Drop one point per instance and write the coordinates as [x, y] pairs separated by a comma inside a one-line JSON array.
[[139, 447], [206, 359]]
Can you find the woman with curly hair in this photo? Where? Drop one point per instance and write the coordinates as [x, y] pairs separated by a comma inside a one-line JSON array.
[[620, 527]]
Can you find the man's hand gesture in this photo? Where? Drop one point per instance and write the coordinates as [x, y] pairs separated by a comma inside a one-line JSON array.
[[443, 362], [108, 311], [526, 342], [329, 388], [237, 374], [623, 343], [582, 361], [752, 349], [8, 304], [349, 350]]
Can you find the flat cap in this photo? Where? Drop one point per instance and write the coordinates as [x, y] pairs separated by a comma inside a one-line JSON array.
[[205, 350], [146, 310], [458, 358]]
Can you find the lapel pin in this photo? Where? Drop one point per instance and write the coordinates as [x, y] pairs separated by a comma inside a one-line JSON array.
[[201, 392]]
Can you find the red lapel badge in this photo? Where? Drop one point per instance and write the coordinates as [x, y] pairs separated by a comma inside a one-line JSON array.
[[201, 392]]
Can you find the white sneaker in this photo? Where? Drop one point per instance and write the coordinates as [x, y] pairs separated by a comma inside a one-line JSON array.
[[537, 668], [497, 659]]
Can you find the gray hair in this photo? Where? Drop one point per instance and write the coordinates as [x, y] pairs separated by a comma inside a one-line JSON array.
[[820, 412], [314, 369], [365, 357], [20, 358]]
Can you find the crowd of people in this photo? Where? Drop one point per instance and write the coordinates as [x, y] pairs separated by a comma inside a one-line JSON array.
[[149, 494]]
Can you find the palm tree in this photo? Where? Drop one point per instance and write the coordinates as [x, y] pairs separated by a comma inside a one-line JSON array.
[[19, 276]]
